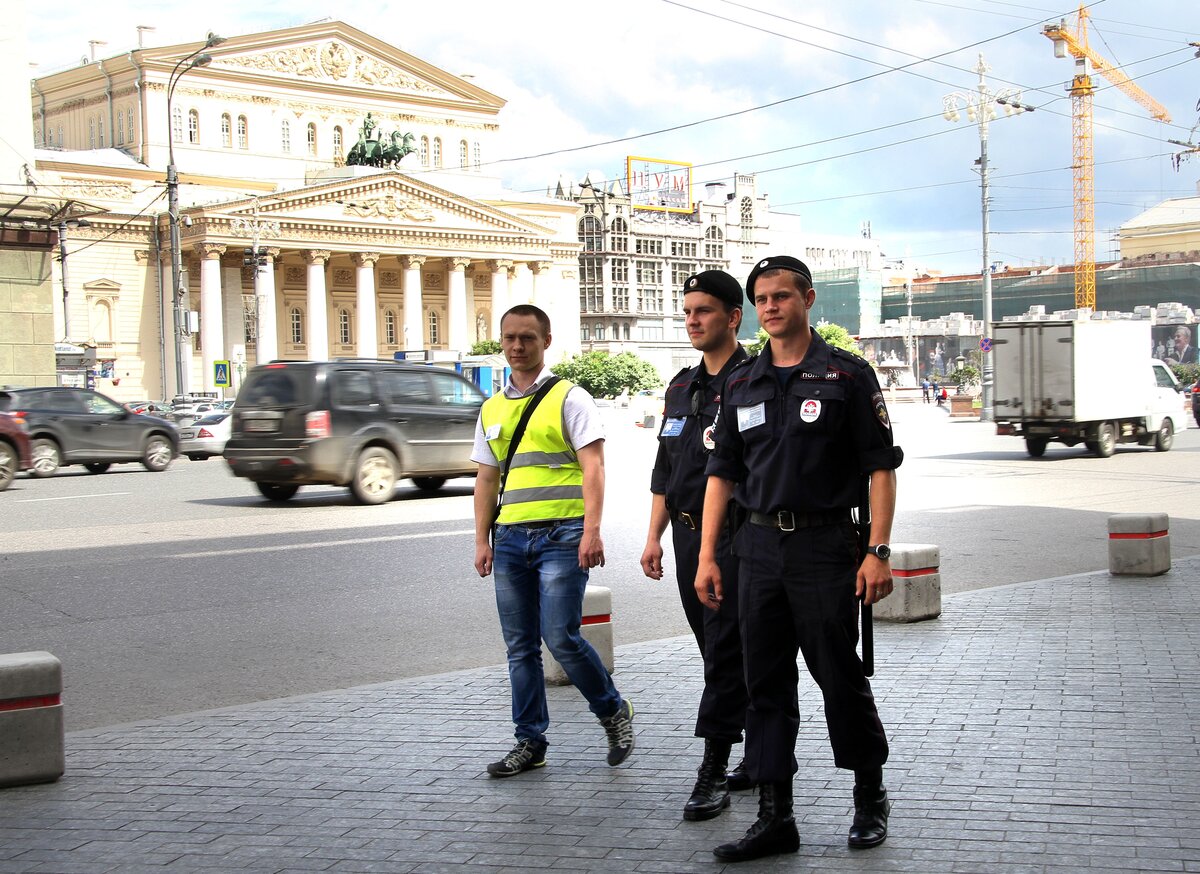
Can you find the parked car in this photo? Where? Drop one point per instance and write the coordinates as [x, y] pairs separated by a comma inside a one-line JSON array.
[[358, 423], [206, 436], [14, 448], [153, 408], [78, 426]]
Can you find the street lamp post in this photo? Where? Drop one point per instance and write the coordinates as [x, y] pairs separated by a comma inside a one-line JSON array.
[[178, 293], [981, 108], [62, 260]]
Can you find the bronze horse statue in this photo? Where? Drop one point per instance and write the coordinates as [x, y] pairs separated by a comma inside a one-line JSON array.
[[371, 151], [402, 144]]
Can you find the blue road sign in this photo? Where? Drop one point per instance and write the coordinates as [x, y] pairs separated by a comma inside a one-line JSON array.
[[221, 374], [985, 343]]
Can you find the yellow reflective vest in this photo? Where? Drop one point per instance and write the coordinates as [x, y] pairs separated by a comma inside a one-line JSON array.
[[546, 480]]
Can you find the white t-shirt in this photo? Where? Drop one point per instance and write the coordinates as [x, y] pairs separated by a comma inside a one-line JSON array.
[[580, 415]]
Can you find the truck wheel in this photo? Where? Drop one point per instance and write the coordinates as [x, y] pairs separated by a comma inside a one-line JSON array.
[[429, 483], [375, 477], [1105, 443], [1165, 436], [1036, 446], [46, 457], [277, 491]]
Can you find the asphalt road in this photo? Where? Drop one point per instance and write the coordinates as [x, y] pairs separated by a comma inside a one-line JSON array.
[[185, 590]]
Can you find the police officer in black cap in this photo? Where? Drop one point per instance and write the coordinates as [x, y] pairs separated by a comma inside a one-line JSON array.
[[799, 427], [712, 307]]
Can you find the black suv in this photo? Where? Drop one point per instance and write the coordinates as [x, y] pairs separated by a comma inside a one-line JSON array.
[[358, 423], [78, 426]]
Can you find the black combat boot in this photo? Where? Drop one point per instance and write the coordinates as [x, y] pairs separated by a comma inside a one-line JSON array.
[[871, 808], [738, 780], [709, 795], [773, 833]]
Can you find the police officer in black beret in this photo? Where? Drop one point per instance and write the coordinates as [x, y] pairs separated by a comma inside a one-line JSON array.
[[800, 425], [712, 306]]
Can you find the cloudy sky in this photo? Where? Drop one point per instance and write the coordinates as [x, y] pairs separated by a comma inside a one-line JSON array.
[[836, 106]]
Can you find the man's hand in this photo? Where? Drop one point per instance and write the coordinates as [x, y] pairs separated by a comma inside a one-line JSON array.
[[874, 580], [591, 550], [483, 559], [708, 584], [652, 560]]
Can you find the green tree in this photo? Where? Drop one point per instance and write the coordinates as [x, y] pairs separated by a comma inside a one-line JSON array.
[[486, 347], [605, 376], [834, 335]]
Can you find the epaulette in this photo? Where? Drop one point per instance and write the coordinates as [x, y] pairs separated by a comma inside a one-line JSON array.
[[846, 353]]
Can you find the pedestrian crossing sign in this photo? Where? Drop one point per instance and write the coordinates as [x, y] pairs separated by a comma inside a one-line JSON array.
[[221, 374]]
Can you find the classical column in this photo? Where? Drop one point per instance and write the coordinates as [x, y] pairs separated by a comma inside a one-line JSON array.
[[317, 334], [212, 338], [499, 293], [539, 295], [368, 336], [232, 299], [457, 294], [520, 284], [414, 325], [267, 345]]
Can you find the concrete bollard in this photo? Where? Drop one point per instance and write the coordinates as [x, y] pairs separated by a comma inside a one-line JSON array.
[[917, 584], [1139, 544], [596, 629], [31, 719]]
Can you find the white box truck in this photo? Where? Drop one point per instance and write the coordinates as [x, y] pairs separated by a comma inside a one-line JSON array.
[[1089, 382]]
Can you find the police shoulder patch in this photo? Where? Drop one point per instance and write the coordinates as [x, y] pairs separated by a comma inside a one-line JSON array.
[[880, 408]]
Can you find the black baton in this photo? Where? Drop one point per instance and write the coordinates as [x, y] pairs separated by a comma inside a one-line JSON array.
[[864, 540]]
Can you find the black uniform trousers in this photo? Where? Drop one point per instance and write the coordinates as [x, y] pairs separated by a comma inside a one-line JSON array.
[[722, 714], [797, 594]]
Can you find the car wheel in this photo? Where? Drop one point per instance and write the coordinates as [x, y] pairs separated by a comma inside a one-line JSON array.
[[429, 483], [375, 476], [1165, 436], [277, 491], [8, 465], [46, 457], [1036, 446], [1106, 440], [98, 466], [195, 457], [158, 453]]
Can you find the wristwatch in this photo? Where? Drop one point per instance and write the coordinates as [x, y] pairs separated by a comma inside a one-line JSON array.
[[881, 551]]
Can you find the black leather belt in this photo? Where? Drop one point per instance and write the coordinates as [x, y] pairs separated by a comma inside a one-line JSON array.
[[688, 520], [549, 523], [786, 520]]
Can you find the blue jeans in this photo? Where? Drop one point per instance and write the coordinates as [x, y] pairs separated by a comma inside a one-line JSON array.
[[539, 595]]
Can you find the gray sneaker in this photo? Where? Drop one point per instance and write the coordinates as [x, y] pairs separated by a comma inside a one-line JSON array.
[[525, 756], [619, 728]]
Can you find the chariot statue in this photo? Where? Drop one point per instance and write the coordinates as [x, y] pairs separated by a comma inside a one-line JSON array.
[[372, 151]]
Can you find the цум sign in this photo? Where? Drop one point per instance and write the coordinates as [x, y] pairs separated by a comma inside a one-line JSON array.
[[657, 184]]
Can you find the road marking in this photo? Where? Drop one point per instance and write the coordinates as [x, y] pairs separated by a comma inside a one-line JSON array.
[[72, 497], [355, 541]]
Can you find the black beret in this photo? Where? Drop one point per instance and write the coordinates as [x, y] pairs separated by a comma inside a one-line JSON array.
[[777, 262], [718, 283]]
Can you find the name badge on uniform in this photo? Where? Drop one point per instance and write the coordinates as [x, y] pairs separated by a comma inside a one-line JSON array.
[[751, 417], [492, 433], [672, 428]]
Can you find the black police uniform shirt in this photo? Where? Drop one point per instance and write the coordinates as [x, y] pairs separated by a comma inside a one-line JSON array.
[[804, 445], [689, 409]]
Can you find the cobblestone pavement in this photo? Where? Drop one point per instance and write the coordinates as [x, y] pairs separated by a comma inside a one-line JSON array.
[[1046, 726]]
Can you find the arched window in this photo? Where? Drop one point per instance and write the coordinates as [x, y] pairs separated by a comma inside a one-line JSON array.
[[100, 132], [296, 317], [389, 327], [120, 128], [424, 151], [62, 140], [91, 133], [747, 219], [243, 133], [599, 332], [434, 334], [591, 234], [129, 123], [312, 138], [620, 235], [462, 154], [478, 160], [193, 126], [50, 137], [285, 137], [344, 336], [226, 131], [177, 125], [337, 141], [102, 321], [437, 151], [714, 243]]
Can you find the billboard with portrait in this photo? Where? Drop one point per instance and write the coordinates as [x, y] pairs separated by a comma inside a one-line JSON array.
[[1174, 344]]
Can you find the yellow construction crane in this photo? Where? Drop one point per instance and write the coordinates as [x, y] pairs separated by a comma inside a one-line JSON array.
[[1081, 90]]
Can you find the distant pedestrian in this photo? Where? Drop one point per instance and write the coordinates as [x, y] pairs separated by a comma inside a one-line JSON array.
[[925, 389], [937, 391]]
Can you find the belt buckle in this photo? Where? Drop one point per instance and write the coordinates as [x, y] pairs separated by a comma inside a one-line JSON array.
[[686, 519], [790, 524]]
